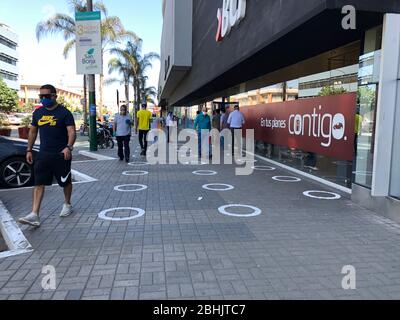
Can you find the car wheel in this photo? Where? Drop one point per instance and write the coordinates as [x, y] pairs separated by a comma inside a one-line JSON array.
[[16, 173]]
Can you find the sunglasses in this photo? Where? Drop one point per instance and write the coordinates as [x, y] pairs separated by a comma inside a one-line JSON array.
[[46, 96]]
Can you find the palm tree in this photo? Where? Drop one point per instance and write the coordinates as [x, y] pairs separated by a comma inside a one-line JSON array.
[[131, 57], [124, 69], [145, 63], [112, 30], [125, 64], [148, 94]]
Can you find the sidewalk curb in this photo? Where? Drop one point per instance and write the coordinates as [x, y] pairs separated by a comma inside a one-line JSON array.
[[95, 156], [12, 234]]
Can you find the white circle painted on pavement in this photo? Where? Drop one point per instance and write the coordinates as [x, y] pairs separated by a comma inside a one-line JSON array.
[[139, 163], [211, 187], [103, 214], [256, 211], [286, 179], [263, 168], [205, 173], [121, 188], [135, 173], [332, 195]]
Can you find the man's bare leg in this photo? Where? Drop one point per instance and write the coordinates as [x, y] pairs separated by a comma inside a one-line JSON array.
[[38, 193], [68, 193], [32, 219]]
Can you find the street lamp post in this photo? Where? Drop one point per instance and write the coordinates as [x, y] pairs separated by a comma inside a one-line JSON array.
[[92, 100]]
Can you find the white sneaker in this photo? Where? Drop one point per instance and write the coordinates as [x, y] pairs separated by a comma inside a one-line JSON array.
[[31, 219], [66, 210]]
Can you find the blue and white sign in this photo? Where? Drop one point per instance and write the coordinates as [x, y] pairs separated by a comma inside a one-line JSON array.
[[89, 59], [92, 110]]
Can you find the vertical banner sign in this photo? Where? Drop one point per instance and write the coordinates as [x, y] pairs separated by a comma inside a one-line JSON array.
[[89, 59], [323, 125]]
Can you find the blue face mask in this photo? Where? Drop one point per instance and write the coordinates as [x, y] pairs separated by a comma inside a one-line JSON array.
[[47, 103]]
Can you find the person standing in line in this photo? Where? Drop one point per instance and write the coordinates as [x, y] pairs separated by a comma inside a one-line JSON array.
[[123, 131], [224, 118], [202, 122], [235, 121], [154, 125], [223, 123], [143, 124], [57, 130], [216, 120], [216, 124], [169, 124]]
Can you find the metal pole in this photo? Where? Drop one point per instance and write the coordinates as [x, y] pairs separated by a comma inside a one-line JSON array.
[[92, 100], [85, 110]]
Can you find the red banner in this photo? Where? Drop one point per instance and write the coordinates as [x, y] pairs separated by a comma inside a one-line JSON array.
[[322, 125]]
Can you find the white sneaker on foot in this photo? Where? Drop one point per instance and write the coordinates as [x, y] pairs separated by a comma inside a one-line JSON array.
[[31, 219], [66, 210]]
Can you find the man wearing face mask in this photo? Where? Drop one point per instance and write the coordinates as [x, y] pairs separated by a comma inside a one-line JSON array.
[[123, 131], [203, 122], [57, 130]]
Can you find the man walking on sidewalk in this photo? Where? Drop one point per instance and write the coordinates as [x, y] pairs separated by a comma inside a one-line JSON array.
[[143, 123], [203, 122], [236, 122], [122, 129], [57, 130]]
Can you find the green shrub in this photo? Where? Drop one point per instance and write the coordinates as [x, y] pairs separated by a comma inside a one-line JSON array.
[[3, 121], [25, 122]]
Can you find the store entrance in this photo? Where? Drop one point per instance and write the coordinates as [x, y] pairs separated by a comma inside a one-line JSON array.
[[223, 105], [365, 135]]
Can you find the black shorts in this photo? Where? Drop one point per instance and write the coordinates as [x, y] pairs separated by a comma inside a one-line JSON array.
[[48, 166]]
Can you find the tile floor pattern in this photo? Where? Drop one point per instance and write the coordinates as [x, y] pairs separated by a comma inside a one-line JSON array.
[[183, 248]]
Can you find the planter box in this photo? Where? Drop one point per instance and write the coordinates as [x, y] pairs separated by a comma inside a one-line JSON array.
[[5, 132], [23, 132]]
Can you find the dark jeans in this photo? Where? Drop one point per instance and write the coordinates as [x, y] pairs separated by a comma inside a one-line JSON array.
[[233, 140], [143, 139], [123, 143], [200, 143]]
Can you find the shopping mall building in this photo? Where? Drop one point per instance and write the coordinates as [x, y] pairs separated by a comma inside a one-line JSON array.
[[318, 81]]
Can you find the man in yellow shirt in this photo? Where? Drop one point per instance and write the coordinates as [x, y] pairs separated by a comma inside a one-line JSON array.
[[143, 122]]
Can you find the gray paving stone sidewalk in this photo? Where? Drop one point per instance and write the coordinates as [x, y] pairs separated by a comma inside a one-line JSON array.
[[183, 248]]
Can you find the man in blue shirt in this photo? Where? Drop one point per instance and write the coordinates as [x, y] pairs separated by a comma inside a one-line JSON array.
[[56, 127], [202, 122]]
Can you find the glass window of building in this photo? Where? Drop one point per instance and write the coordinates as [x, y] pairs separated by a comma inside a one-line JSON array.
[[368, 82], [332, 73]]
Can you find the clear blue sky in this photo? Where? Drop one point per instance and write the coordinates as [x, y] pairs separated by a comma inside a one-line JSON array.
[[141, 16]]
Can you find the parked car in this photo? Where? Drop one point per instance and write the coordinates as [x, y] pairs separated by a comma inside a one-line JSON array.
[[14, 120], [15, 172]]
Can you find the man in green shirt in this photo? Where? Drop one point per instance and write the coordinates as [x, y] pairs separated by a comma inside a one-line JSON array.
[[202, 122]]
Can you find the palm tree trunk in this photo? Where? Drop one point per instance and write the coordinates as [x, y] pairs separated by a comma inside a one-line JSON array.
[[127, 94], [138, 95], [134, 104]]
